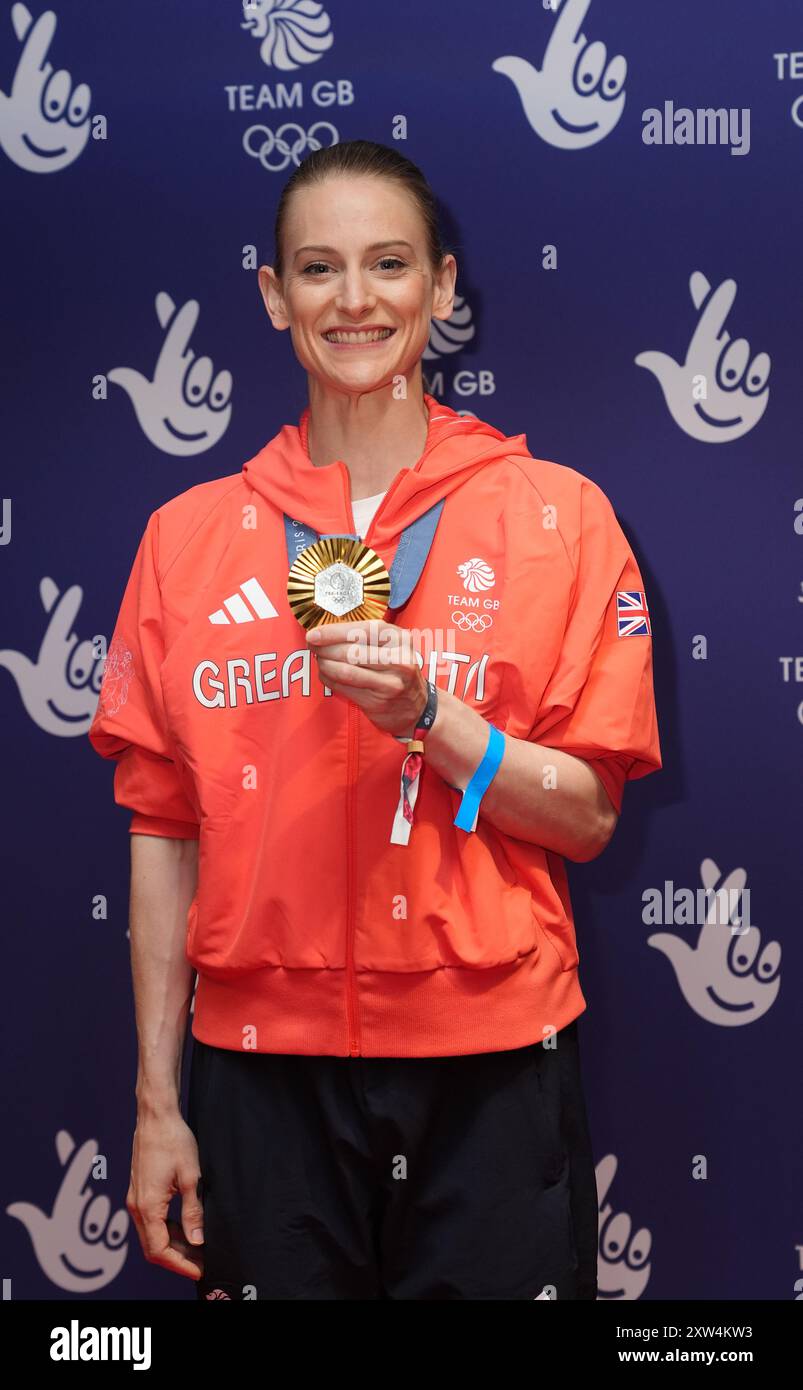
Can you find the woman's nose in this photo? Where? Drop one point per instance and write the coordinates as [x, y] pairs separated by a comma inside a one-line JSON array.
[[354, 292]]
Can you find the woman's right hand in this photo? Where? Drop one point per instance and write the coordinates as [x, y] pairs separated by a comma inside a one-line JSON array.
[[165, 1161]]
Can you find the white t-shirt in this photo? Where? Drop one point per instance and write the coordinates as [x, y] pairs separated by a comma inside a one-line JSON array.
[[364, 510]]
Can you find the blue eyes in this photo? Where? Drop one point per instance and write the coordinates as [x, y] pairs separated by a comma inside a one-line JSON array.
[[394, 261]]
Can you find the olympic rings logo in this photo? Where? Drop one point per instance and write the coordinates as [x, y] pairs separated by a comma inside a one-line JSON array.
[[471, 622], [278, 146]]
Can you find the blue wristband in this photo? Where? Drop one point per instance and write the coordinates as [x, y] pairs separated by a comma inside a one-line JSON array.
[[466, 818]]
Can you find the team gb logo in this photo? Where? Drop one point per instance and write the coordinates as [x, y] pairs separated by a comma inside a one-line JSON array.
[[293, 32], [476, 575]]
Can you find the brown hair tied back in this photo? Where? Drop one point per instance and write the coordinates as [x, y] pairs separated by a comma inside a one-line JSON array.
[[362, 157]]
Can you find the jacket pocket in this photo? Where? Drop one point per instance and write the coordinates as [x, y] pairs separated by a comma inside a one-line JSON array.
[[557, 921], [544, 872], [266, 896], [495, 925], [561, 938], [439, 903]]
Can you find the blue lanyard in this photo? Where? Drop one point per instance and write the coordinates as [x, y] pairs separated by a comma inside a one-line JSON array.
[[408, 562]]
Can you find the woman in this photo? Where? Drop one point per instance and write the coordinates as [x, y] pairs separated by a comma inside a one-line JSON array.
[[355, 775]]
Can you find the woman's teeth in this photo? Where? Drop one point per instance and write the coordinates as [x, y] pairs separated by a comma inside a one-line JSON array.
[[336, 337]]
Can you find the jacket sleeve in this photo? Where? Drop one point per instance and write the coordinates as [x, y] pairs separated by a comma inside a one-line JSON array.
[[129, 725], [599, 702]]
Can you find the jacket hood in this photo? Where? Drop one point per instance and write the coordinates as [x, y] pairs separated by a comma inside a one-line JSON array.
[[457, 446]]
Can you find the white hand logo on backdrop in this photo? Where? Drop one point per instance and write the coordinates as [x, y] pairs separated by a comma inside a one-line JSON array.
[[623, 1267], [576, 99], [735, 387], [724, 978], [60, 689], [78, 1246], [185, 408], [44, 121]]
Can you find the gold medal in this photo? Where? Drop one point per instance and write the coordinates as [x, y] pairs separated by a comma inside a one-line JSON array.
[[337, 580]]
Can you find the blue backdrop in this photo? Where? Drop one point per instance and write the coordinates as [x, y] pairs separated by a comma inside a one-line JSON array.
[[582, 243]]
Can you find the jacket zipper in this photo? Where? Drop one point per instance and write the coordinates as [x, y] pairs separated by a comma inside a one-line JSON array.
[[352, 713], [352, 735], [380, 508], [351, 983], [387, 496]]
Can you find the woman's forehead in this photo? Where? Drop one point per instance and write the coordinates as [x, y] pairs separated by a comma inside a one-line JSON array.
[[366, 209]]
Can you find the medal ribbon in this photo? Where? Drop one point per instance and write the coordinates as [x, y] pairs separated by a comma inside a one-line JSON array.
[[409, 560]]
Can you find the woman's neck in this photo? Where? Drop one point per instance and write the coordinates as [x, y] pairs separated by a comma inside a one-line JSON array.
[[373, 434]]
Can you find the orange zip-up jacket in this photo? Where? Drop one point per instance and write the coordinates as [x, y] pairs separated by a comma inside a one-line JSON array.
[[310, 931]]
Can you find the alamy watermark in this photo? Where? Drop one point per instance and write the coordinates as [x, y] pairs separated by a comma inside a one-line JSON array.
[[382, 646], [727, 907], [703, 126]]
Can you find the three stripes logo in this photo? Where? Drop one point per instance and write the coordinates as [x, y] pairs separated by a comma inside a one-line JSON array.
[[235, 609]]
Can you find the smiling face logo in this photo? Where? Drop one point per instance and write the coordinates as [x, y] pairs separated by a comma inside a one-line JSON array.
[[44, 119], [186, 407], [727, 978], [719, 392], [81, 1246], [577, 97], [60, 688], [623, 1263]]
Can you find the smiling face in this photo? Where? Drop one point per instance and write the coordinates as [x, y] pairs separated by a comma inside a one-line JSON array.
[[356, 260]]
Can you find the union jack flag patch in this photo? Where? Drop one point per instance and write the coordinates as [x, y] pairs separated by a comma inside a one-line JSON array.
[[632, 614]]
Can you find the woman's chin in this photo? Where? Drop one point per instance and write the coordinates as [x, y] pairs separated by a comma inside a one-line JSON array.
[[363, 377]]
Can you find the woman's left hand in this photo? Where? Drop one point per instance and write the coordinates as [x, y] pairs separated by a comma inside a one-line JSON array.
[[372, 663]]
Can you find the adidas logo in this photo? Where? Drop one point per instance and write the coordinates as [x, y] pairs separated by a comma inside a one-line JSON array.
[[236, 610]]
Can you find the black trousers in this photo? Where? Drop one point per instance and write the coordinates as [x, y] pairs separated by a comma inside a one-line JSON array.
[[466, 1177]]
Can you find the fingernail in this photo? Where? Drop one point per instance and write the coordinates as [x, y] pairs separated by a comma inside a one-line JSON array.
[[197, 1236]]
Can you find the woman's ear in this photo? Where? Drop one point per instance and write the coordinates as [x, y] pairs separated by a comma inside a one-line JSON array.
[[272, 296], [443, 295]]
